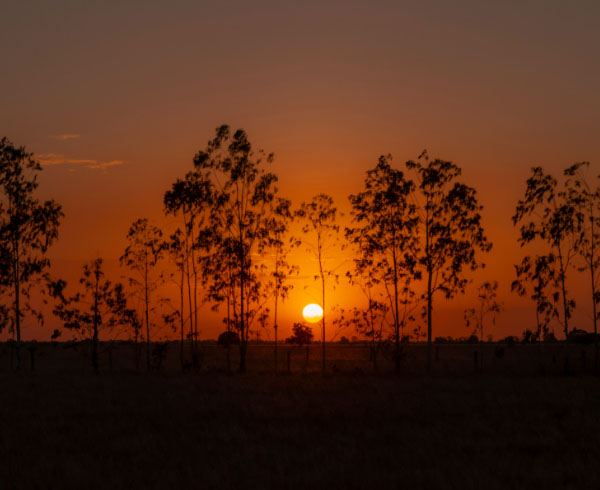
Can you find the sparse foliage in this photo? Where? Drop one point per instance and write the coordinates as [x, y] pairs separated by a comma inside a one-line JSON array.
[[449, 229], [145, 248], [320, 221], [28, 228], [96, 306]]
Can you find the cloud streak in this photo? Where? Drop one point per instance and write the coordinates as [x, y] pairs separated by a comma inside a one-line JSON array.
[[66, 136], [48, 159]]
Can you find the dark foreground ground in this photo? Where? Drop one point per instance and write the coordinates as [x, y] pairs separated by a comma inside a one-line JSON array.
[[173, 431]]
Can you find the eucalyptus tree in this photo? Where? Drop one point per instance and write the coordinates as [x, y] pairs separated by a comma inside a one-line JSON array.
[[535, 277], [280, 244], [449, 230], [488, 307], [28, 227], [145, 249], [586, 199], [383, 234], [175, 249], [547, 216], [191, 199], [242, 206], [320, 221], [98, 305]]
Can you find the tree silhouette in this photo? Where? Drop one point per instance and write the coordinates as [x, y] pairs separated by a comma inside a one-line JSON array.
[[319, 216], [191, 198], [489, 306], [449, 229], [98, 305], [586, 200], [546, 214], [244, 201], [27, 229], [301, 335], [280, 243], [175, 248], [540, 273], [144, 250], [385, 241]]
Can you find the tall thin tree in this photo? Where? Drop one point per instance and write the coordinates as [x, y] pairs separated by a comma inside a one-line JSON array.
[[449, 230], [383, 234], [98, 305], [145, 248], [28, 228], [243, 202], [320, 221]]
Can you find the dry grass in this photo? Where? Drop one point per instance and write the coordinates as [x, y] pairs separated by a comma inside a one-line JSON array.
[[262, 431]]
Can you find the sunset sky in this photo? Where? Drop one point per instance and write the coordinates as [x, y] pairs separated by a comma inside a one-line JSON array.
[[115, 98]]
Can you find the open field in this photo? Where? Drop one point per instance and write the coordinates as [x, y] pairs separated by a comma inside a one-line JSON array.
[[355, 358], [167, 431]]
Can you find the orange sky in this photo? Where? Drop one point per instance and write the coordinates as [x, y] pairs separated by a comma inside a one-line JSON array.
[[118, 98]]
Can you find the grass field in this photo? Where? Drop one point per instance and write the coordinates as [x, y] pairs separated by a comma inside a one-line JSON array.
[[123, 431]]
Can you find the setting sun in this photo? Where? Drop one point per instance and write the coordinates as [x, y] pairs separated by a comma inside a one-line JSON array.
[[312, 313]]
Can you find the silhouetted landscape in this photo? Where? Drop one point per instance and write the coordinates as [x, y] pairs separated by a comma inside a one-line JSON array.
[[384, 273]]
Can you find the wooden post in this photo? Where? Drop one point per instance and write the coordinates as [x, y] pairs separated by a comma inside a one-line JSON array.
[[289, 362], [475, 362]]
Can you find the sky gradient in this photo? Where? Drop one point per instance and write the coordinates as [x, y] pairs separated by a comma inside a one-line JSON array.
[[116, 97]]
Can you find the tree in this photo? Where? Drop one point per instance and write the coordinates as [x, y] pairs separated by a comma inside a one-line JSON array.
[[97, 306], [450, 232], [301, 335], [243, 203], [280, 243], [384, 237], [540, 273], [320, 216], [586, 200], [191, 198], [489, 306], [175, 247], [547, 215], [370, 322], [28, 228], [144, 250]]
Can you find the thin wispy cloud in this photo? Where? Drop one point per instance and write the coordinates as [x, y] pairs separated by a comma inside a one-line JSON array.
[[47, 159], [112, 163], [66, 136]]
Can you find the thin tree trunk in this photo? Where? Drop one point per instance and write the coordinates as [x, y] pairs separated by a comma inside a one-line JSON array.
[[95, 334], [17, 308], [181, 353], [147, 312], [396, 317], [565, 312], [243, 339], [323, 296], [275, 326], [429, 329]]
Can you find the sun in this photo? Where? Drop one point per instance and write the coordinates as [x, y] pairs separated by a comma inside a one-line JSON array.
[[312, 313]]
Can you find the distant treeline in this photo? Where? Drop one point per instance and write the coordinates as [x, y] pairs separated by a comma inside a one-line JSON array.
[[415, 235]]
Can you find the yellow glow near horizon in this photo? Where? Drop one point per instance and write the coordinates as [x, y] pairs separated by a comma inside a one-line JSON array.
[[312, 313]]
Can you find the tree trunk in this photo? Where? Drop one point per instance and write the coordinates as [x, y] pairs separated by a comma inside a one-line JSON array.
[[96, 326], [181, 353], [17, 304], [275, 328], [147, 312], [429, 329], [323, 336], [242, 368], [396, 320], [594, 310]]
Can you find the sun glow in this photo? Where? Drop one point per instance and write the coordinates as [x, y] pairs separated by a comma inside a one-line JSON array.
[[312, 313]]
